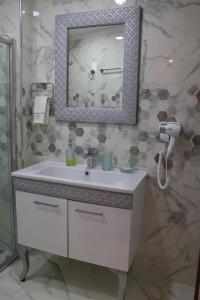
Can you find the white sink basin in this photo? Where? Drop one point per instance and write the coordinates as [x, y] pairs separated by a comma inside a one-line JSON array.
[[59, 173]]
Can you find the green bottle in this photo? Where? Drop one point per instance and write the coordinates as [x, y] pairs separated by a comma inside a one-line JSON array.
[[70, 155]]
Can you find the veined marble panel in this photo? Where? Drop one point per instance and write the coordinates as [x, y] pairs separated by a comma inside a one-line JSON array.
[[27, 79], [169, 90]]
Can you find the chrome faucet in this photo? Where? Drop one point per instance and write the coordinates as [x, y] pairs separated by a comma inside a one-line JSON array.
[[91, 158]]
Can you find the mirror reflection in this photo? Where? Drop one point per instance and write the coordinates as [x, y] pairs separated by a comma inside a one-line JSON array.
[[95, 66]]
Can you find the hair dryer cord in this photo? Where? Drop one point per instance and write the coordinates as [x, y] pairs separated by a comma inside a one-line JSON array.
[[162, 186]]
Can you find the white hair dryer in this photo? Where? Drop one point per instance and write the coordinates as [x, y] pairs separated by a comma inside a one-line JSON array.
[[169, 131]]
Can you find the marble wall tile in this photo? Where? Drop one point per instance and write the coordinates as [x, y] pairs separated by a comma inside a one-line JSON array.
[[170, 83], [27, 79], [164, 59]]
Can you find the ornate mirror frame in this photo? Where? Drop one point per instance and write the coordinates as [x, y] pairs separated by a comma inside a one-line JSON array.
[[128, 16]]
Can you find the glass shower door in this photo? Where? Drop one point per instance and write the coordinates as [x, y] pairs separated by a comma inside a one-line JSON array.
[[7, 242]]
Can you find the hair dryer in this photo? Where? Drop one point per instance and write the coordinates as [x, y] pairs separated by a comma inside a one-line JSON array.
[[169, 131]]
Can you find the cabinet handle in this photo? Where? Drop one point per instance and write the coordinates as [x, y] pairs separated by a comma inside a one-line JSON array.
[[46, 204], [89, 212]]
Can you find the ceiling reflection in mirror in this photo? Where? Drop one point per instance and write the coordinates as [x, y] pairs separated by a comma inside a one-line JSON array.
[[95, 66]]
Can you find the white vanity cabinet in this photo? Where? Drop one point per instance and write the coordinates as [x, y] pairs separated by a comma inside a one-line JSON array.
[[87, 232], [95, 219], [42, 222]]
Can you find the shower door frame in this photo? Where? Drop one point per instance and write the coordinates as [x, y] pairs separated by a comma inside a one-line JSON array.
[[12, 129]]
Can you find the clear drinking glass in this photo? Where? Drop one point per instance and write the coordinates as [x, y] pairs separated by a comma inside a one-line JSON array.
[[107, 160]]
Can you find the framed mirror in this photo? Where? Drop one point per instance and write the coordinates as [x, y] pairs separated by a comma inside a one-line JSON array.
[[97, 61]]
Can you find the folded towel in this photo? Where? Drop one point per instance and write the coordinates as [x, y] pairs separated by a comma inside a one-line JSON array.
[[41, 110]]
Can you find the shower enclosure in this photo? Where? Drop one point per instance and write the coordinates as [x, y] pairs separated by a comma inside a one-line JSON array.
[[7, 150]]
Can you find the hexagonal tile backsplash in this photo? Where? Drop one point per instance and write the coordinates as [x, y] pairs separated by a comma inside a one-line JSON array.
[[129, 143]]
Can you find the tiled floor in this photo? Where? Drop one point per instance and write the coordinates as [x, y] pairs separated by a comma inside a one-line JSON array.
[[181, 291], [55, 278], [5, 256]]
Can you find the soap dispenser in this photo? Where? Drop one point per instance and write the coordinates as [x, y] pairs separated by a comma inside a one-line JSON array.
[[70, 155]]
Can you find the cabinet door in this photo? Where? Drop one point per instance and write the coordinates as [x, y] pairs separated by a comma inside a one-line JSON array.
[[99, 234], [42, 222]]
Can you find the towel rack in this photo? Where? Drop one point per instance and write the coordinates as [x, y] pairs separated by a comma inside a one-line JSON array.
[[42, 89], [110, 69]]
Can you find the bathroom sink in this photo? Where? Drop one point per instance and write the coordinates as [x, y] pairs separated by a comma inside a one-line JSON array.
[[59, 173], [78, 174]]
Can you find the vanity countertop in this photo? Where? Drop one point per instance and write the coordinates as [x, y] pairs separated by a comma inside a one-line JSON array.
[[57, 172]]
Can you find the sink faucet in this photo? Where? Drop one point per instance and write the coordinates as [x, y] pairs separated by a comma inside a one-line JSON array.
[[91, 158]]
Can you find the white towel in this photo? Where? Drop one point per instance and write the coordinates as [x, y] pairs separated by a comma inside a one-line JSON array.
[[41, 110]]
